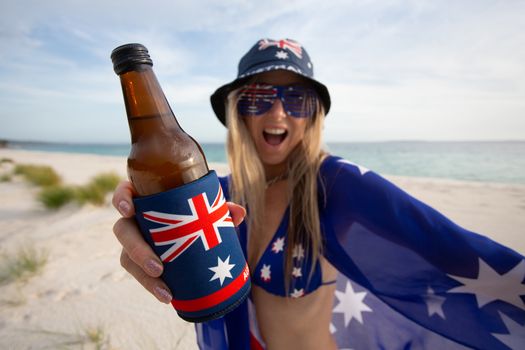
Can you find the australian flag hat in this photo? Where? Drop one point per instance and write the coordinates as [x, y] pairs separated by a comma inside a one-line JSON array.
[[269, 55]]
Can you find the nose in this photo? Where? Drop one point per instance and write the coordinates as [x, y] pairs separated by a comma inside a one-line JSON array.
[[277, 111]]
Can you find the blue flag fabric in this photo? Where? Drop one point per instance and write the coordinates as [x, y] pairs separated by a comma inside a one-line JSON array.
[[409, 277]]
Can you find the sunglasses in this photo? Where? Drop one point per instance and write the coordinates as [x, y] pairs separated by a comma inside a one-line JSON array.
[[298, 101]]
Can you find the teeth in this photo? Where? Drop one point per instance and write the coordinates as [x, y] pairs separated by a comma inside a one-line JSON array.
[[275, 131]]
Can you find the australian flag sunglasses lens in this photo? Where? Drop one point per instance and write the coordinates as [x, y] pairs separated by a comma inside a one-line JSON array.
[[298, 101]]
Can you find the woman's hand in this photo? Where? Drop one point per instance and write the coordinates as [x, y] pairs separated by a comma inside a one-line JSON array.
[[137, 257]]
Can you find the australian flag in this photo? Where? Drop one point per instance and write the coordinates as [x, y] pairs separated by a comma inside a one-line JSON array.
[[409, 277]]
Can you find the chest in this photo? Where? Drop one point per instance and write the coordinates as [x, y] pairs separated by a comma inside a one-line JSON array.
[[276, 203]]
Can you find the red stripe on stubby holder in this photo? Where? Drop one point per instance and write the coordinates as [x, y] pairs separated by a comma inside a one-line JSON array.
[[215, 298], [254, 343]]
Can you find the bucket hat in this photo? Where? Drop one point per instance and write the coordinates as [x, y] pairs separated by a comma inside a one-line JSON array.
[[265, 56]]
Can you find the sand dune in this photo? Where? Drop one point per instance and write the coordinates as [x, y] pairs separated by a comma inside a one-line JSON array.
[[82, 287]]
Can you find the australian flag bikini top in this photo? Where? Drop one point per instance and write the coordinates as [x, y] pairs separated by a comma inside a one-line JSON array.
[[269, 271]]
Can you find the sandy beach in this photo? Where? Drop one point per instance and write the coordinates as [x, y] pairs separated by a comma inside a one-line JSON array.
[[82, 290]]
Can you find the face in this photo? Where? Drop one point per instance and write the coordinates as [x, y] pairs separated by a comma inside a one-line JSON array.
[[275, 133]]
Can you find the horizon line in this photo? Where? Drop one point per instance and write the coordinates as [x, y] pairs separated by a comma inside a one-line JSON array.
[[6, 142]]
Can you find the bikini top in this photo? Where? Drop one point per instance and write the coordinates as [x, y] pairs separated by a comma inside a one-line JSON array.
[[269, 271]]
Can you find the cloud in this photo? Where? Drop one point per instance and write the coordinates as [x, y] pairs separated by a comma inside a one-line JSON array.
[[396, 69]]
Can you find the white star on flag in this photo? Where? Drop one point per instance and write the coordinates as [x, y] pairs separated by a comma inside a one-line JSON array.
[[434, 303], [298, 252], [296, 272], [222, 270], [266, 273], [281, 55], [351, 304], [278, 245], [362, 169], [490, 285], [516, 337], [297, 293]]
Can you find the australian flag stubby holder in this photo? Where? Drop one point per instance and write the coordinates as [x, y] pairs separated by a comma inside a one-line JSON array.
[[191, 230]]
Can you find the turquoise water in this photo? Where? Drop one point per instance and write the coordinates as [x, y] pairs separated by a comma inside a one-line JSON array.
[[473, 161]]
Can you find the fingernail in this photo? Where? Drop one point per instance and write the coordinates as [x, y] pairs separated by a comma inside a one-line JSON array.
[[153, 267], [162, 294], [124, 208]]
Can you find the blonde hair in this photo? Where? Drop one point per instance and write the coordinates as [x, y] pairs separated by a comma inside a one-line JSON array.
[[248, 184]]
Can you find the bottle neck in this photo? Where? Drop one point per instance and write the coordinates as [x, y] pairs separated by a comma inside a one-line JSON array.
[[146, 106]]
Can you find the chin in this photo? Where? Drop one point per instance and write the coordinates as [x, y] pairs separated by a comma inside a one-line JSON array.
[[273, 159], [277, 157]]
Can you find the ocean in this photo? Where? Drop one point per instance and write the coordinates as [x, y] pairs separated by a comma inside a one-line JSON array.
[[498, 161]]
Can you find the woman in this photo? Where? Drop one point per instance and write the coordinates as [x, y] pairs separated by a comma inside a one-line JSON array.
[[318, 215]]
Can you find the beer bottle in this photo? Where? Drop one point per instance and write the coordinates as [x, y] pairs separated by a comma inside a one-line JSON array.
[[162, 155], [180, 207]]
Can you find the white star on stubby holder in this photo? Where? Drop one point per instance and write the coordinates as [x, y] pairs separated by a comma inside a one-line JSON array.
[[222, 270], [351, 304], [490, 285]]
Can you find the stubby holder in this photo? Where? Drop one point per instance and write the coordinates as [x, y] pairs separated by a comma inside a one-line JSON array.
[[191, 230]]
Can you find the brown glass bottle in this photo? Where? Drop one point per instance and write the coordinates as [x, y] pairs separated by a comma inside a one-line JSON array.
[[162, 155], [180, 208]]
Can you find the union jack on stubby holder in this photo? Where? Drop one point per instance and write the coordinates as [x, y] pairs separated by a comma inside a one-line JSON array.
[[204, 265]]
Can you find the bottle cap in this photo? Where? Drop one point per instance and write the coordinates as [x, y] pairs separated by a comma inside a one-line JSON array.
[[127, 56]]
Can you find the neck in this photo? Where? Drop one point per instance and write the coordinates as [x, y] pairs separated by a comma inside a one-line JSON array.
[[275, 173], [275, 170]]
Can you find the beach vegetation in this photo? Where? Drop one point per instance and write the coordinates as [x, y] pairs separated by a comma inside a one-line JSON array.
[[97, 336], [106, 181], [6, 160], [98, 187], [26, 262], [54, 197], [94, 192], [40, 175], [89, 337], [90, 194]]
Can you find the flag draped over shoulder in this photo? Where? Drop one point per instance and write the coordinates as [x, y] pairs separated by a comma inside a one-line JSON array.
[[409, 277]]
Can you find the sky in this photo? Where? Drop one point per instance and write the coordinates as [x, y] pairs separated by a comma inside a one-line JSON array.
[[396, 70]]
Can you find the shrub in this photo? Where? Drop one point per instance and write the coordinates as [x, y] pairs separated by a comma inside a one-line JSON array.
[[95, 191], [54, 197], [106, 181], [39, 175], [90, 194], [5, 178], [26, 262]]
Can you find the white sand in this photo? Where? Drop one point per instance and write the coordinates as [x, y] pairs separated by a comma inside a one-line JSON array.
[[83, 287]]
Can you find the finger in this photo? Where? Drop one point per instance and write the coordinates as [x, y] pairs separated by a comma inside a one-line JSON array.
[[122, 198], [152, 284], [128, 234], [237, 213]]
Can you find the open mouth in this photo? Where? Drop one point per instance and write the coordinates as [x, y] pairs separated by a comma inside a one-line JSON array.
[[274, 137]]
